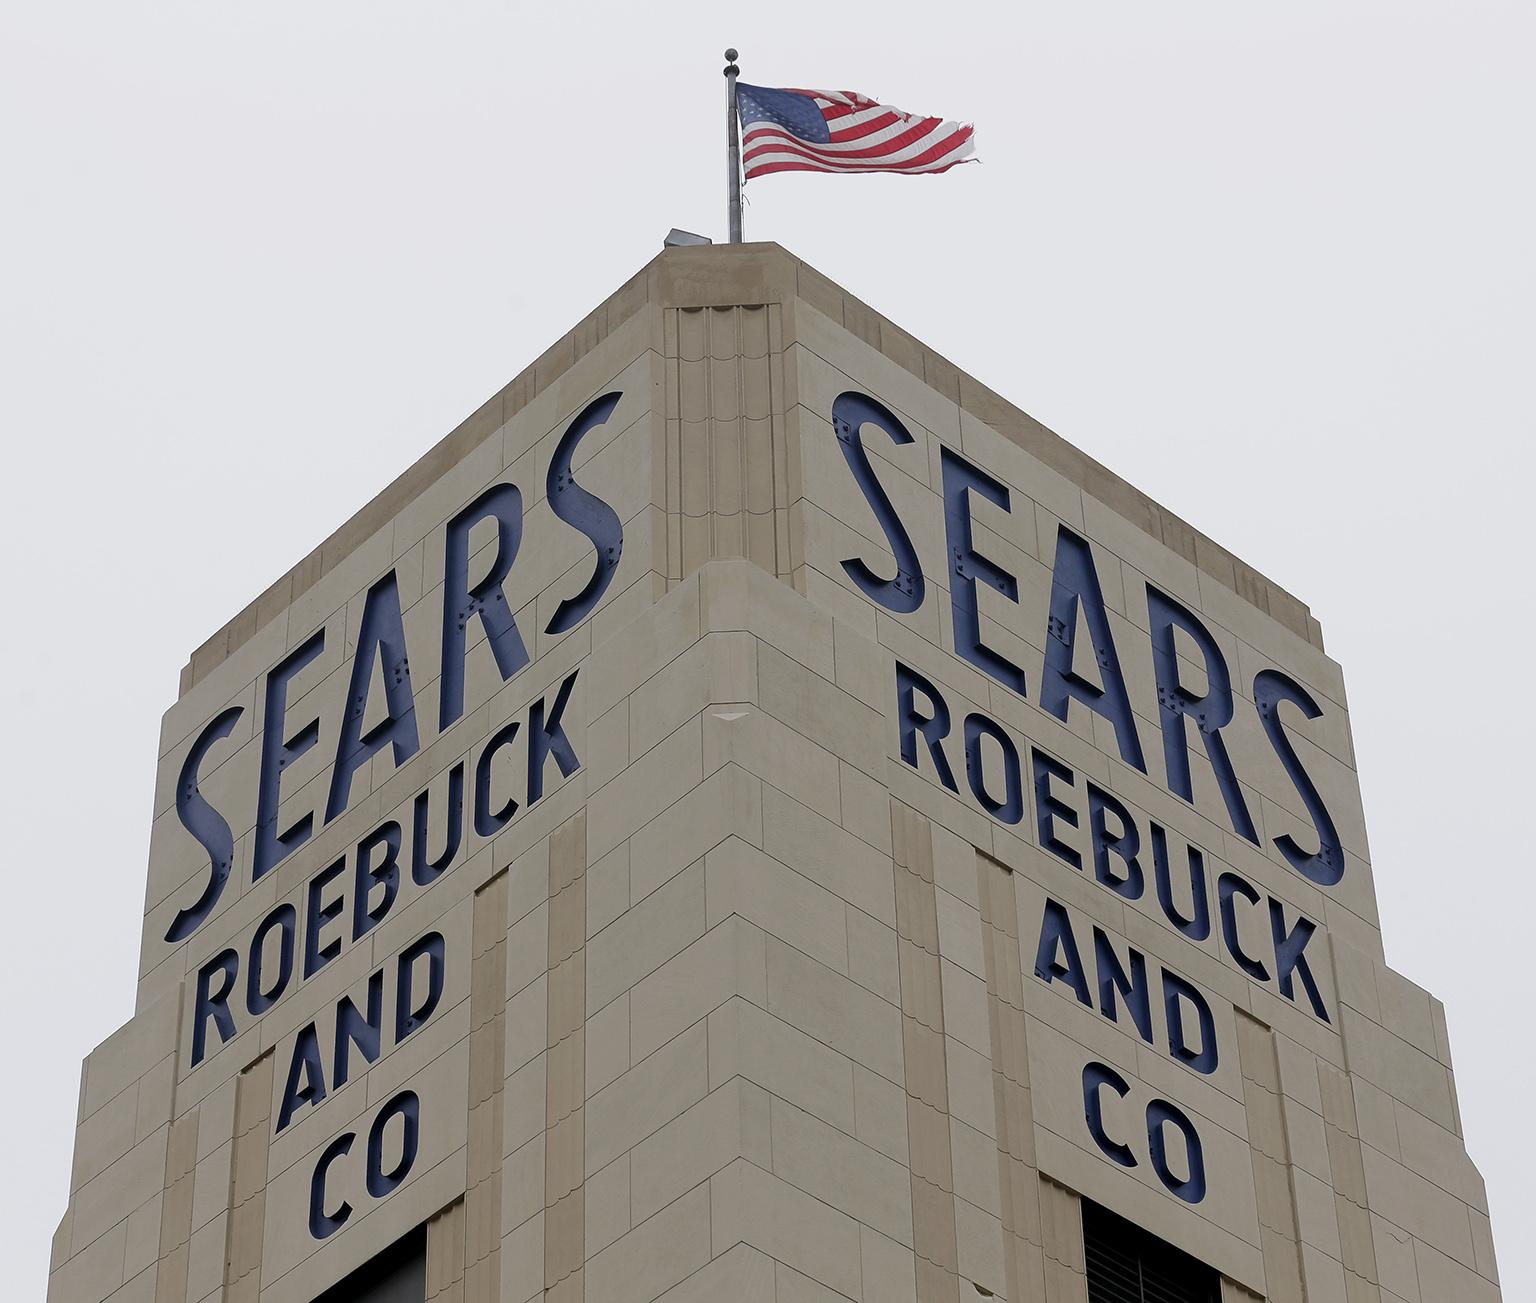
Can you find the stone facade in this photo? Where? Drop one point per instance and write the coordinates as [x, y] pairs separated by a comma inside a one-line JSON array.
[[822, 920]]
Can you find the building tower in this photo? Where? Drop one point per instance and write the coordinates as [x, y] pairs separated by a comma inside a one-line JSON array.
[[752, 815]]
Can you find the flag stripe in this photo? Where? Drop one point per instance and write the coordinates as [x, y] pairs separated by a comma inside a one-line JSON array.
[[926, 148], [936, 160], [855, 134]]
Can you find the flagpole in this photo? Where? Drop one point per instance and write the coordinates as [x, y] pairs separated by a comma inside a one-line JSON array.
[[733, 149]]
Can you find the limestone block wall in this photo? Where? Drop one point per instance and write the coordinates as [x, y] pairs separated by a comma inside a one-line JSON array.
[[729, 980]]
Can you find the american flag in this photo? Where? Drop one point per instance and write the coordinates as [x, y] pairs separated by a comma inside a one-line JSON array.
[[842, 131]]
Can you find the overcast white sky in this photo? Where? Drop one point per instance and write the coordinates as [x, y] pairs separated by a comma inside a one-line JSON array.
[[1271, 262]]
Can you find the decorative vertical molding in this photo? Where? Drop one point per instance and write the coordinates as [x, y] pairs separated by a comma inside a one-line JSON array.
[[922, 1043], [487, 1043], [446, 1235], [727, 468], [1270, 1154], [1019, 1179], [1346, 1163], [1061, 1231], [176, 1210], [248, 1183], [565, 1090]]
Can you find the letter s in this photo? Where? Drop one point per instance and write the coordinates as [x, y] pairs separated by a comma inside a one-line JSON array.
[[904, 593], [206, 824], [591, 515]]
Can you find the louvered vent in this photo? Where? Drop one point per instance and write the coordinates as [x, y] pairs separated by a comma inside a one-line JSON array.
[[1129, 1265]]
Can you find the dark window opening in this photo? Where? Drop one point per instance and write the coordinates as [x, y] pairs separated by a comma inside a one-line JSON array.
[[396, 1275], [1129, 1265]]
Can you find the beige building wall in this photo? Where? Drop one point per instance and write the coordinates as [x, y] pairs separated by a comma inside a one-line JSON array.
[[749, 1004]]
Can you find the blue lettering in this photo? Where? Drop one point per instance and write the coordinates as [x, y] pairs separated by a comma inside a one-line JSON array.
[[1074, 586], [487, 599], [424, 870], [586, 512], [1211, 711], [259, 997], [1176, 991], [967, 566], [1056, 936], [276, 755], [381, 637], [1115, 982], [206, 824], [933, 727], [1324, 866], [1009, 808], [1123, 845], [1049, 807], [903, 594], [384, 875]]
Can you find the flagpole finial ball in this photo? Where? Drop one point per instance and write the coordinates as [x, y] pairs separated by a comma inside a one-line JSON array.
[[730, 56]]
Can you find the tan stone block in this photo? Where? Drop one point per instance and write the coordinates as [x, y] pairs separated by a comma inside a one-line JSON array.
[[840, 1171], [740, 1273], [817, 709], [872, 955], [1395, 1262], [1322, 1277], [866, 807], [741, 879], [1482, 1243], [107, 1199], [211, 1185], [607, 1205], [975, 1159], [728, 960], [658, 778], [981, 1249], [960, 931], [652, 1093], [522, 1258], [833, 1009], [1419, 1206], [889, 1269], [607, 1044], [696, 1144], [142, 1242], [104, 1137], [645, 937], [828, 855], [1430, 1149], [523, 1104], [737, 595], [608, 889], [130, 1052], [747, 1041], [967, 1017], [655, 1255], [970, 1087], [776, 753], [727, 802], [792, 1287], [92, 1273], [751, 1206], [527, 950], [880, 1113], [1306, 1140], [205, 1260], [1441, 1277]]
